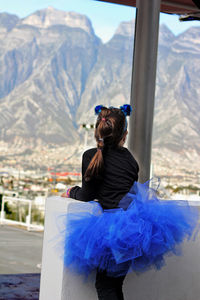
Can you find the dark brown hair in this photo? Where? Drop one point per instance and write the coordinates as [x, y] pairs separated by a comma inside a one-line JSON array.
[[109, 130]]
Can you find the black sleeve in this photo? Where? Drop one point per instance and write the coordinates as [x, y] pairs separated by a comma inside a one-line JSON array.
[[87, 191]]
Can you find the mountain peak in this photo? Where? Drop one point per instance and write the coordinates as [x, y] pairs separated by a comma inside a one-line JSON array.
[[166, 37], [192, 34], [50, 16], [8, 21], [165, 30], [126, 28]]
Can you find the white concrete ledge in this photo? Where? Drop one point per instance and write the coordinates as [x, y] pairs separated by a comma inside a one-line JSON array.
[[178, 280]]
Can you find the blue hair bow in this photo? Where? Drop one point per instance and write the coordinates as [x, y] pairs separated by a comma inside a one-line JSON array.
[[98, 109], [126, 109]]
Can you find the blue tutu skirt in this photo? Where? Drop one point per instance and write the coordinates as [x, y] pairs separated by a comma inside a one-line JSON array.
[[132, 237]]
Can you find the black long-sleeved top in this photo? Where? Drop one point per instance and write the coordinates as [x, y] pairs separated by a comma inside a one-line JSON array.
[[120, 172]]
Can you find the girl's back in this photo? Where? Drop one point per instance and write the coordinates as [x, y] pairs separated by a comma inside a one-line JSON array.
[[120, 172]]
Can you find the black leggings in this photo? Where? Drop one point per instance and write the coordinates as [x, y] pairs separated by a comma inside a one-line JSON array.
[[109, 288]]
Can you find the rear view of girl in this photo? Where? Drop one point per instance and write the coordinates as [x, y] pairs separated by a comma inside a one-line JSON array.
[[131, 230]]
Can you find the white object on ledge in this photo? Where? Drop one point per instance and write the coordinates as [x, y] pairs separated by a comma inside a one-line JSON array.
[[179, 279]]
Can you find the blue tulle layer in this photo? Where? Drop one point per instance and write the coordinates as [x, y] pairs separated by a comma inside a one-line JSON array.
[[128, 238]]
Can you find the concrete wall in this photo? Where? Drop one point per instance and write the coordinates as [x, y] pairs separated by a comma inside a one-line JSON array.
[[178, 280]]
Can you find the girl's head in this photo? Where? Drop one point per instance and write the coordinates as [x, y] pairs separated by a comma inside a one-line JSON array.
[[110, 128], [110, 131]]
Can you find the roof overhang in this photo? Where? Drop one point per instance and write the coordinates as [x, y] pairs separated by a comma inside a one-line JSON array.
[[167, 6]]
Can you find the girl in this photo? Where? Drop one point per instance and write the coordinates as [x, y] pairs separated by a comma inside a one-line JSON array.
[[133, 229]]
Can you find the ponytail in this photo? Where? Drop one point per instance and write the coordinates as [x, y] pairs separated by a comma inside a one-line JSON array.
[[95, 167], [103, 128]]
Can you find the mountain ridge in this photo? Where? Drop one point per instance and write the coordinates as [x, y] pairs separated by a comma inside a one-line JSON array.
[[50, 16]]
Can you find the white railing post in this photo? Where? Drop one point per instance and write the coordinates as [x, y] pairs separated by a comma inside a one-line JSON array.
[[29, 217], [27, 222], [2, 210]]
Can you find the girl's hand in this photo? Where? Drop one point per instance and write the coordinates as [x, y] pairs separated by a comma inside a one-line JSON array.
[[66, 194]]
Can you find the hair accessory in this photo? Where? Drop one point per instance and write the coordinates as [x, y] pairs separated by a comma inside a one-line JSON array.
[[98, 109], [103, 119], [126, 109]]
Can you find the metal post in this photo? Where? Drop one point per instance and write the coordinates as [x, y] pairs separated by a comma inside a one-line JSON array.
[[143, 83]]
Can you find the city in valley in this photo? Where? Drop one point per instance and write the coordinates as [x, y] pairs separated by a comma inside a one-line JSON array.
[[48, 170]]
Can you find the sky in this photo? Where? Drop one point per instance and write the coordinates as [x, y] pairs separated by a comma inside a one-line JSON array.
[[105, 17]]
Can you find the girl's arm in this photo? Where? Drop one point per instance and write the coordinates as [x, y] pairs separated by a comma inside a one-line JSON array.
[[87, 191]]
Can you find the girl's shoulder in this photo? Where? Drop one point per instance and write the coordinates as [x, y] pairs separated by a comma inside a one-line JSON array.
[[125, 152], [122, 154], [89, 153], [130, 158]]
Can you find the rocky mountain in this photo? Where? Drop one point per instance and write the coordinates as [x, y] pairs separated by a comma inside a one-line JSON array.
[[8, 21], [43, 75], [48, 17], [177, 117], [54, 70]]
